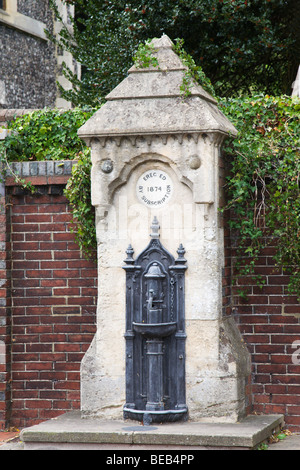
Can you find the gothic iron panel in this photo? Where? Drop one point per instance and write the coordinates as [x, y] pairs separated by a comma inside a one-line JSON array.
[[155, 333]]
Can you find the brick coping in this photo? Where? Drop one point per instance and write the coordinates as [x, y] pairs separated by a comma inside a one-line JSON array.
[[41, 172]]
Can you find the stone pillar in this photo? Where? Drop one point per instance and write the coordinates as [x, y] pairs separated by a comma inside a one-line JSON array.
[[66, 11], [147, 133]]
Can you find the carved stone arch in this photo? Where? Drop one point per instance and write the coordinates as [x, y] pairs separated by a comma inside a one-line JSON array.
[[140, 160]]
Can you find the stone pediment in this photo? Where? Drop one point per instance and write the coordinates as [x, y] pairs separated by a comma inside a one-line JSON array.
[[149, 101]]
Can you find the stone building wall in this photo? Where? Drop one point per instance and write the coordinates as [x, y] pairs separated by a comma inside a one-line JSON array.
[[30, 64]]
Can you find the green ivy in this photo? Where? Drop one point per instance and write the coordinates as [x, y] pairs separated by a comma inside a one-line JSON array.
[[194, 72], [51, 134], [47, 134], [144, 57], [242, 45], [263, 186], [78, 192]]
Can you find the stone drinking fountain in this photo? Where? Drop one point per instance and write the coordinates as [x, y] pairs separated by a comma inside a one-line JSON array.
[[156, 159], [158, 153]]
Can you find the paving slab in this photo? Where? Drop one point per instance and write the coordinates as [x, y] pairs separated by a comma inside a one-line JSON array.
[[70, 431]]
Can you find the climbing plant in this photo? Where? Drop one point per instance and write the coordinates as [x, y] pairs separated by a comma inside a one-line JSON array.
[[47, 134], [263, 185], [194, 72], [144, 56], [78, 192], [51, 134]]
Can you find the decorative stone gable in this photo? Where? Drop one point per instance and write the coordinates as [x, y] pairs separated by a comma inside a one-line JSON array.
[[30, 63]]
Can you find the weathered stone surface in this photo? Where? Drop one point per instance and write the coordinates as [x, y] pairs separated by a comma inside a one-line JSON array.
[[30, 64], [149, 101]]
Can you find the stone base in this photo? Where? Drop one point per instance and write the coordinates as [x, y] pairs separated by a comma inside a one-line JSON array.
[[217, 370], [71, 432]]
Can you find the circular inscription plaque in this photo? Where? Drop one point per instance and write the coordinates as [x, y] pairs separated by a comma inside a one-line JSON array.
[[154, 188]]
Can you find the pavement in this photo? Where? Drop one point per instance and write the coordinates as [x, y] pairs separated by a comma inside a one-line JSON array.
[[10, 440]]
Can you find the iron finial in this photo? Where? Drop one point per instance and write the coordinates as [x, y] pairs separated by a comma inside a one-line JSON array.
[[129, 253]]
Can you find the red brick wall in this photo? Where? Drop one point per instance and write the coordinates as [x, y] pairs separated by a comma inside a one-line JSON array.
[[53, 296], [269, 322]]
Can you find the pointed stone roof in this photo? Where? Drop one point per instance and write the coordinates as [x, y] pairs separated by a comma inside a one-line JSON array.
[[149, 102]]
